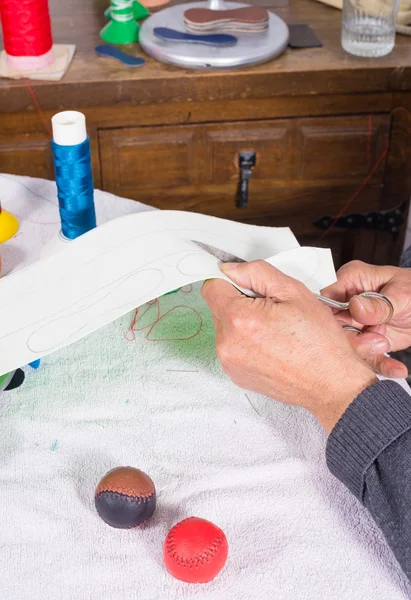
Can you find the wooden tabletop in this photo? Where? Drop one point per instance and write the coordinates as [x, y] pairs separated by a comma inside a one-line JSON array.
[[95, 81]]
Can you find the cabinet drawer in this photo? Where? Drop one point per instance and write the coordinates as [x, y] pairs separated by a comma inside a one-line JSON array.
[[26, 155], [305, 168], [161, 163]]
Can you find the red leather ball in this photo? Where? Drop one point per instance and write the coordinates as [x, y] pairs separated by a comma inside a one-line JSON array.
[[195, 550]]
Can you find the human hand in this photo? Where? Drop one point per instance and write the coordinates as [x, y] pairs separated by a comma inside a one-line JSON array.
[[370, 314], [286, 345]]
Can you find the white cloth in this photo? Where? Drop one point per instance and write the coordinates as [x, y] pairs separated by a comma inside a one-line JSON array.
[[254, 467]]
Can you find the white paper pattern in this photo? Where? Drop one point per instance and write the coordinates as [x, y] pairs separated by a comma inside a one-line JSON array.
[[123, 264]]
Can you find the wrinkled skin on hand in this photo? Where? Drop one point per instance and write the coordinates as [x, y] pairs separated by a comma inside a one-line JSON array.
[[286, 345], [371, 314]]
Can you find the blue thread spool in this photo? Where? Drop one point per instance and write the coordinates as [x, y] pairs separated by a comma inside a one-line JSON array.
[[74, 178]]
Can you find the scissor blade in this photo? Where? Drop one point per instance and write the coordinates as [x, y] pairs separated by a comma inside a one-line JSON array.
[[218, 253], [226, 257]]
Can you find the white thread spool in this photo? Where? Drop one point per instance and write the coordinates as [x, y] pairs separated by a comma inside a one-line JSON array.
[[69, 128]]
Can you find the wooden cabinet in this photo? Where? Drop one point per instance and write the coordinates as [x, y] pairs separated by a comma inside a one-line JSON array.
[[27, 154], [197, 165]]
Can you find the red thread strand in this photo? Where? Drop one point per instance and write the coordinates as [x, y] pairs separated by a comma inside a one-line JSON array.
[[150, 327], [26, 27], [46, 124], [353, 197], [371, 171], [369, 142]]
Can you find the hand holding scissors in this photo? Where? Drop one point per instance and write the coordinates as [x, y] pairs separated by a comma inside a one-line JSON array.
[[383, 330], [227, 257], [383, 315], [346, 306]]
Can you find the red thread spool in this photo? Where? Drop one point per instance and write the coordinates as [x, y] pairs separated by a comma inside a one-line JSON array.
[[27, 33]]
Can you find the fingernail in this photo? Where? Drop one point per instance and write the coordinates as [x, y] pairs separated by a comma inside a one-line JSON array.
[[227, 268], [399, 373], [380, 347]]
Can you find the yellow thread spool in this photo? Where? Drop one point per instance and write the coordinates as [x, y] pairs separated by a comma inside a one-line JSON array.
[[8, 225]]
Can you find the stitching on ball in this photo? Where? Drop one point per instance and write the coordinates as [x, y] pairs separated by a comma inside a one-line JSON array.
[[209, 553], [137, 499], [142, 493]]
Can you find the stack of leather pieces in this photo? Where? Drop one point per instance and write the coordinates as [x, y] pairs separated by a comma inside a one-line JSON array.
[[251, 19]]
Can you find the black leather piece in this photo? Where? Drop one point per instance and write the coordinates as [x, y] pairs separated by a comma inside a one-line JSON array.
[[16, 380], [302, 36], [122, 511]]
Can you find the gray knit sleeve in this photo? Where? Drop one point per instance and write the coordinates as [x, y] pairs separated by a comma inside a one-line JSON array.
[[369, 450]]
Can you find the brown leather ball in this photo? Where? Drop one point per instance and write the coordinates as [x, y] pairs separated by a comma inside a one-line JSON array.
[[125, 497]]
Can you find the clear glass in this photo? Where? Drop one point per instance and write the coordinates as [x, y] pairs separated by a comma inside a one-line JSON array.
[[368, 26]]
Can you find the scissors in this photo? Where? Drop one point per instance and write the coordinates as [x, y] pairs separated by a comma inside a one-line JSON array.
[[227, 257]]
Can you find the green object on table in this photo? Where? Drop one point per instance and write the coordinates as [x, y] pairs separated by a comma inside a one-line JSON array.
[[122, 29], [140, 12], [5, 380]]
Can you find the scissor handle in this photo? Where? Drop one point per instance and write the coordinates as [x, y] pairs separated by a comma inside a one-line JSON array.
[[381, 297], [346, 305], [333, 303], [350, 328]]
